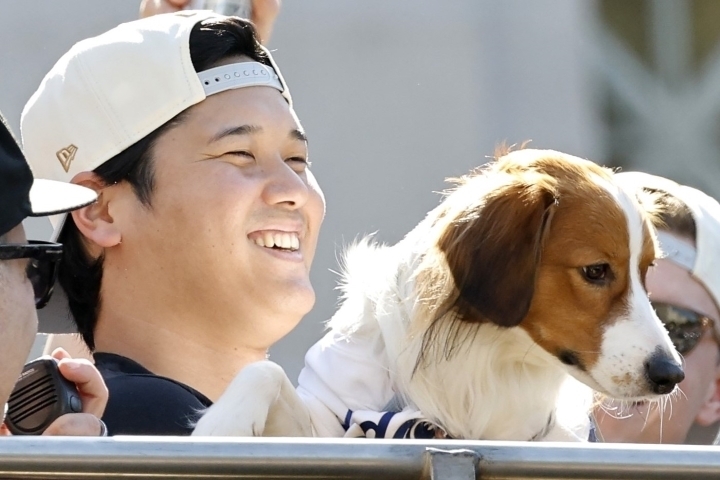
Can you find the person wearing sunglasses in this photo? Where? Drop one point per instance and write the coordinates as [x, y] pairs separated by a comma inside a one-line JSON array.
[[28, 270], [684, 288]]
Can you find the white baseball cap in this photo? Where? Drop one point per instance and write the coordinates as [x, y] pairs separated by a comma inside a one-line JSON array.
[[703, 261], [110, 91]]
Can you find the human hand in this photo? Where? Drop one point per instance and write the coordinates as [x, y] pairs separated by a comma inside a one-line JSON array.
[[264, 12], [93, 394], [87, 379]]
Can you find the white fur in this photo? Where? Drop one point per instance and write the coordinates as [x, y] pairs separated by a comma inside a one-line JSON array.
[[260, 401]]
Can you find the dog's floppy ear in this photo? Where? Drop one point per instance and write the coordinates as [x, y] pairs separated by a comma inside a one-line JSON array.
[[494, 251]]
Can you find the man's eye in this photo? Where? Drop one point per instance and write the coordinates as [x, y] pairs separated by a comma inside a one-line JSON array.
[[241, 153], [298, 163]]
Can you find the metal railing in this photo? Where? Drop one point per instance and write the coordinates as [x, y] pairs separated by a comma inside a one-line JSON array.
[[182, 458]]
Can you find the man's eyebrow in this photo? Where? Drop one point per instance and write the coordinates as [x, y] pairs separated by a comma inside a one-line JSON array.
[[237, 130], [249, 129]]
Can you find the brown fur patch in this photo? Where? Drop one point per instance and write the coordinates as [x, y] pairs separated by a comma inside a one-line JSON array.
[[625, 379]]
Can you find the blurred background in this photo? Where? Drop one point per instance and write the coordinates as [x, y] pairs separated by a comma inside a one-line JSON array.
[[396, 96]]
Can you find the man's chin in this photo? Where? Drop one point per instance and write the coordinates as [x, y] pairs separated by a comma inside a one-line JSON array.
[[296, 302], [301, 300]]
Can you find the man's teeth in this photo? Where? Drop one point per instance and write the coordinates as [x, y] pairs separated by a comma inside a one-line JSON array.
[[287, 241]]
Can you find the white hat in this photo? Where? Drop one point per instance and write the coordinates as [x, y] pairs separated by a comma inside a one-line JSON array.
[[703, 261], [110, 91]]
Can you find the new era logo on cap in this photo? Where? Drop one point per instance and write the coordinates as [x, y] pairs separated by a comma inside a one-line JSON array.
[[66, 156]]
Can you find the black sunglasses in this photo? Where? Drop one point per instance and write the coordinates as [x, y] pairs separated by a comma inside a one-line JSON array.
[[42, 267], [685, 326]]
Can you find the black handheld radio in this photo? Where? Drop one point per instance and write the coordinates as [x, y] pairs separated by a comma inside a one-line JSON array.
[[40, 396]]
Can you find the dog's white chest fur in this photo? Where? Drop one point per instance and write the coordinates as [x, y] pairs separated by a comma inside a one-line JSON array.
[[497, 384]]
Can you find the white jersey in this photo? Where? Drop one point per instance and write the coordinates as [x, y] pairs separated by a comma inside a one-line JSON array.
[[347, 388]]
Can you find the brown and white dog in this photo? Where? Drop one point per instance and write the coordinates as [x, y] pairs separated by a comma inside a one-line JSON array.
[[531, 270]]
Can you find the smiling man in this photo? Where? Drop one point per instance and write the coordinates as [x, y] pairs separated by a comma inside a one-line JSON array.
[[196, 257]]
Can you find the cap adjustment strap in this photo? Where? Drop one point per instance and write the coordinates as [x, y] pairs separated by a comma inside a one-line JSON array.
[[238, 75], [677, 251]]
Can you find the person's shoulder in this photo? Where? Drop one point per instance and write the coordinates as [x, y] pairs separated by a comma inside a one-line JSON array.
[[141, 403], [150, 390]]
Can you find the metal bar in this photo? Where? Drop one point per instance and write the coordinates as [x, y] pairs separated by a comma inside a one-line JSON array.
[[452, 464], [145, 457]]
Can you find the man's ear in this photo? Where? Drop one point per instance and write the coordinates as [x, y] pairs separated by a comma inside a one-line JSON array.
[[710, 410], [95, 221]]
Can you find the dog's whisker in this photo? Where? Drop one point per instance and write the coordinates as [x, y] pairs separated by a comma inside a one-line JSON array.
[[661, 411], [679, 392]]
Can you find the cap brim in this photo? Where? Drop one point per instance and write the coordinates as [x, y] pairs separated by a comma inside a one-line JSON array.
[[49, 197]]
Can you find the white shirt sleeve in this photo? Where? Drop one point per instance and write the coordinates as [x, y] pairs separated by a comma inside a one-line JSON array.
[[347, 388]]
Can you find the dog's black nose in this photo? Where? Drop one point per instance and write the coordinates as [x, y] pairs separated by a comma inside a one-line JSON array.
[[663, 373]]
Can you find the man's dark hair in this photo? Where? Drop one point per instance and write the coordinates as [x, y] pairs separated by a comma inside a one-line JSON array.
[[80, 275], [675, 216]]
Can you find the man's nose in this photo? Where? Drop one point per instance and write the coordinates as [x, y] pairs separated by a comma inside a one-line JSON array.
[[285, 186]]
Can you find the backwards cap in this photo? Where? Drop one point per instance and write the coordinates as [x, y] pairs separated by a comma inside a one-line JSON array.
[[703, 261], [110, 91]]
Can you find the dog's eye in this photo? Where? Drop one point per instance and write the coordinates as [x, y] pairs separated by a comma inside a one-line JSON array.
[[596, 273]]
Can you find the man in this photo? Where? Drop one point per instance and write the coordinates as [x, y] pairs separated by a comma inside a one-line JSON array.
[[264, 14], [196, 257], [684, 287], [26, 280]]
